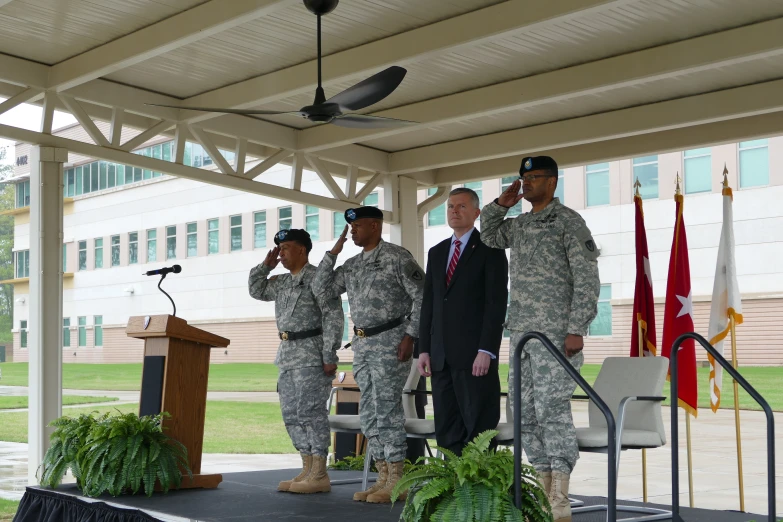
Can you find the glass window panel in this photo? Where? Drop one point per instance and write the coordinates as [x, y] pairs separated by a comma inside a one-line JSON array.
[[597, 181], [98, 330], [312, 222], [112, 175], [697, 167], [192, 240], [71, 183], [94, 176], [560, 190], [754, 163], [171, 242], [259, 229], [236, 233], [82, 255], [66, 332], [157, 151], [338, 224], [133, 248], [152, 245], [99, 252], [115, 250], [646, 171], [284, 218], [213, 236], [79, 181], [82, 321], [371, 200], [104, 175], [167, 150]]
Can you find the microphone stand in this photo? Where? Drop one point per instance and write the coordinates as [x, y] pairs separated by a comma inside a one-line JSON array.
[[162, 277]]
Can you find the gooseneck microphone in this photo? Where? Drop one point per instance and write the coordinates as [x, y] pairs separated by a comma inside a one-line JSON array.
[[163, 271]]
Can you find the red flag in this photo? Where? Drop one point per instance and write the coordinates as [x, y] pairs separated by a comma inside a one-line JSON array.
[[643, 303], [678, 315]]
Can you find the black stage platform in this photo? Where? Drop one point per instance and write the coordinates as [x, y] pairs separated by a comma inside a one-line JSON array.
[[253, 496]]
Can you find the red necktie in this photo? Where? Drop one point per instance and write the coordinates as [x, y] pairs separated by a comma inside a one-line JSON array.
[[453, 262]]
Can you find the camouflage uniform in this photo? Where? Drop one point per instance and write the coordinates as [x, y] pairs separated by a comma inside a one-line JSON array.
[[303, 386], [382, 286], [554, 290]]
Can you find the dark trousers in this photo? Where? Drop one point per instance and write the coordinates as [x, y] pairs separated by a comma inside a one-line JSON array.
[[464, 405]]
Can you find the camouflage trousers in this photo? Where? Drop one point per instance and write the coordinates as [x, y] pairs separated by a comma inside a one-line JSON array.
[[381, 378], [548, 432], [303, 395]]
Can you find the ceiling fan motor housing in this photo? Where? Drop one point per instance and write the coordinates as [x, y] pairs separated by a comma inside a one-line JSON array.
[[321, 7]]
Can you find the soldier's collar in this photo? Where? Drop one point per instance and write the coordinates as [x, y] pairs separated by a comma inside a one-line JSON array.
[[544, 214], [374, 254]]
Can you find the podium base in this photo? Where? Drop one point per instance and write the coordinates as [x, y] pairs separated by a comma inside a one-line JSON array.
[[199, 481]]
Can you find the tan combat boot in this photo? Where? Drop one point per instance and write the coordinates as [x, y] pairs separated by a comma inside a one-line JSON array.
[[317, 481], [307, 461], [361, 496], [558, 497], [383, 495], [545, 478]]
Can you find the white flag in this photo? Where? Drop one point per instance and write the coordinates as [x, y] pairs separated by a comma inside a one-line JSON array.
[[726, 300]]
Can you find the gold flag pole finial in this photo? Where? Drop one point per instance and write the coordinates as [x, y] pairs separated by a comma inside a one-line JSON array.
[[725, 176], [677, 185], [636, 186]]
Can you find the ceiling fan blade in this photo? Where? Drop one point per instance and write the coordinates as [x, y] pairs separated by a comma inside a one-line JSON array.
[[365, 121], [370, 91], [228, 111]]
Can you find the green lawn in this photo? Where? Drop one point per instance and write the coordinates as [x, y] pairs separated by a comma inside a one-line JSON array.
[[8, 509], [230, 427], [12, 402]]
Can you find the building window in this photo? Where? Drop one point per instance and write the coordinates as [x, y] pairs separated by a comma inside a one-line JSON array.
[[98, 252], [284, 218], [597, 181], [346, 314], [152, 245], [436, 216], [646, 171], [98, 330], [171, 242], [23, 333], [602, 324], [23, 194], [213, 235], [312, 224], [560, 190], [82, 331], [697, 166], [504, 184], [115, 250], [754, 163], [192, 240], [338, 224], [371, 200], [476, 186], [236, 233], [66, 332], [22, 263], [133, 248], [70, 183], [82, 255], [259, 229]]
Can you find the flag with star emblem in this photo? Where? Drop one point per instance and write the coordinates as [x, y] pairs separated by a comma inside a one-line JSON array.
[[643, 304], [678, 314], [726, 298]]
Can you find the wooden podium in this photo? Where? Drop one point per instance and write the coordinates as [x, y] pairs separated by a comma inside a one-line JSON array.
[[174, 380]]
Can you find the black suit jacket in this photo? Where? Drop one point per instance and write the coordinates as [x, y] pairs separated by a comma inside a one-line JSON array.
[[467, 316]]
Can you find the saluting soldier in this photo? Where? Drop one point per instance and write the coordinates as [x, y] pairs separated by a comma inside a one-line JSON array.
[[385, 288], [310, 326], [554, 290]]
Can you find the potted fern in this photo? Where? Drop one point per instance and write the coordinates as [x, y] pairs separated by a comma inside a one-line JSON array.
[[114, 454], [476, 486]]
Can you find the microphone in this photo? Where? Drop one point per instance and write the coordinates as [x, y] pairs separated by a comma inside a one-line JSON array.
[[163, 271]]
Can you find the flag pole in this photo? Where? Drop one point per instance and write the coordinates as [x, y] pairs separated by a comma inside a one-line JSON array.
[[732, 325], [687, 415], [641, 354]]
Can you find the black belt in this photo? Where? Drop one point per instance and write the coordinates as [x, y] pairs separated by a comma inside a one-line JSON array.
[[375, 330], [293, 336]]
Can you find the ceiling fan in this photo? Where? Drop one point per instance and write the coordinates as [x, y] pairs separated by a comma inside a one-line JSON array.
[[336, 109]]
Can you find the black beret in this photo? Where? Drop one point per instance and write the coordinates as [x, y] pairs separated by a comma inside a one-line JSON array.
[[537, 163], [294, 234], [352, 214]]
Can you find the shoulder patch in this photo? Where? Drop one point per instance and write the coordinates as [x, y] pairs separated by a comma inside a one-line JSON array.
[[412, 271], [585, 238]]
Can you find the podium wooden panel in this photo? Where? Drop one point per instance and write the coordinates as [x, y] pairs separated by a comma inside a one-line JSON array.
[[174, 380]]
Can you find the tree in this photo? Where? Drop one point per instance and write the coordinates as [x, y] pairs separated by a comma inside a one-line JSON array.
[[7, 200]]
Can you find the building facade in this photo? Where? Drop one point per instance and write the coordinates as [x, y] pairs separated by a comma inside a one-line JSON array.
[[121, 222]]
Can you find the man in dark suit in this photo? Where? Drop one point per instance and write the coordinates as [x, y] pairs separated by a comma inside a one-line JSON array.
[[462, 315]]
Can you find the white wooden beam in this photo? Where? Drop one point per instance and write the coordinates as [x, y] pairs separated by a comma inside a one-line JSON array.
[[240, 156], [212, 150], [176, 31], [441, 195], [684, 112], [369, 187], [117, 116], [174, 169], [422, 43], [23, 97], [146, 135], [47, 116], [86, 122], [326, 177], [180, 138], [268, 163], [727, 48], [296, 171], [350, 181], [674, 140], [23, 72]]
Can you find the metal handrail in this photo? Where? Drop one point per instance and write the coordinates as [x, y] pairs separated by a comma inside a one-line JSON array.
[[748, 388], [611, 498]]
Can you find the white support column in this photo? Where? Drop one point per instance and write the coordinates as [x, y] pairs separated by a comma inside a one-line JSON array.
[[400, 195], [46, 299]]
